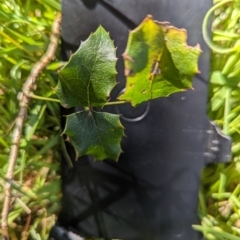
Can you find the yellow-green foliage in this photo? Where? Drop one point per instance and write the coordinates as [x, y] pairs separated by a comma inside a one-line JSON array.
[[25, 27]]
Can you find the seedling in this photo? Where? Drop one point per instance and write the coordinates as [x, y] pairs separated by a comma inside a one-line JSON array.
[[154, 67]]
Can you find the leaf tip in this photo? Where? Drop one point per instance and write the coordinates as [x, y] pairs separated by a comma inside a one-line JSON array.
[[198, 46], [120, 124], [118, 156], [127, 57], [149, 17]]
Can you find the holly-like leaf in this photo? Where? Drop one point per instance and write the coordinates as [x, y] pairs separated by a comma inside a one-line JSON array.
[[158, 61], [95, 133], [89, 76]]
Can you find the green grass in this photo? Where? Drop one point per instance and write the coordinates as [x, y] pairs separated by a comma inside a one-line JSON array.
[[219, 197], [25, 27], [24, 35]]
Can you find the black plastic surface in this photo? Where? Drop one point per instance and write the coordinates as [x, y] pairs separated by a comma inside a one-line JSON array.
[[218, 145], [152, 192]]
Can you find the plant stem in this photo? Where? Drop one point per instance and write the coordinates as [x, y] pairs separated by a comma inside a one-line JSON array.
[[87, 108], [18, 187], [65, 154], [28, 87], [44, 98], [115, 103]]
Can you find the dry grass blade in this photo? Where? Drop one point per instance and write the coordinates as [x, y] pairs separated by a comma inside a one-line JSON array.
[[28, 87]]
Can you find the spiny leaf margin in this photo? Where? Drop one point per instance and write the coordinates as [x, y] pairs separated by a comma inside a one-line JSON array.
[[158, 62], [95, 133], [89, 76]]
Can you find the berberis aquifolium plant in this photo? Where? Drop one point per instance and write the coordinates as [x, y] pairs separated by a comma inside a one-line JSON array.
[[158, 62]]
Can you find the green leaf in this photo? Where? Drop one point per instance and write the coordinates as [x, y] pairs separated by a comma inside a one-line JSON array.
[[95, 133], [158, 62], [89, 76]]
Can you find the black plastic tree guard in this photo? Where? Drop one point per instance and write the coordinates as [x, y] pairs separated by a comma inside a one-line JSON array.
[[152, 192]]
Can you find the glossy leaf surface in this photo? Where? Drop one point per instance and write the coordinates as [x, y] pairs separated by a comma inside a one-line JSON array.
[[89, 76], [95, 133]]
